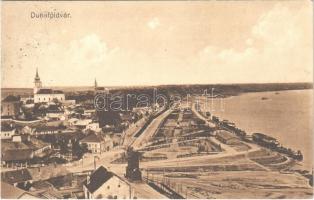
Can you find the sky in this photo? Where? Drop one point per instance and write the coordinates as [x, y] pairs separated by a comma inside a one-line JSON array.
[[123, 43]]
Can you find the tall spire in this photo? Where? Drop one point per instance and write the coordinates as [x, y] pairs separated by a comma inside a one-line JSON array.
[[96, 83], [37, 76], [37, 82]]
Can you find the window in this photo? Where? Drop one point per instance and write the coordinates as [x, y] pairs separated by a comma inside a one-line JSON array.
[[108, 187]]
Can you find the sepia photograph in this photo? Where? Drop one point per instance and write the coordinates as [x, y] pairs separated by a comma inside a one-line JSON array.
[[158, 99]]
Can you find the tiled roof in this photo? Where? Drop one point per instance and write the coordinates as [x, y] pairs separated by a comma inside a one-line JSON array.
[[10, 192], [8, 144], [97, 179], [48, 128], [16, 176], [92, 137], [16, 154], [45, 91], [6, 127], [50, 194], [38, 185], [11, 98], [49, 91]]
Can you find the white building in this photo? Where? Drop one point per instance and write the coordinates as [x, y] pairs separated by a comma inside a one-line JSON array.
[[48, 95], [103, 184], [45, 95], [94, 127], [7, 131], [96, 143]]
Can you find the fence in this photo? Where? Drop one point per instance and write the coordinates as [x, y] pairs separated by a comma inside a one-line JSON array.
[[166, 186]]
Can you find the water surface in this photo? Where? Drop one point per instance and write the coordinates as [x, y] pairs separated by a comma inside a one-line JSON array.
[[285, 115]]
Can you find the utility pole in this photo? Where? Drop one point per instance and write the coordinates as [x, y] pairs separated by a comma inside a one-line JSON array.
[[186, 192], [163, 177], [94, 163]]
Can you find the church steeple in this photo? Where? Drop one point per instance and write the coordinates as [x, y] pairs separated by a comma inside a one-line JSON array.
[[96, 85], [37, 82], [37, 76]]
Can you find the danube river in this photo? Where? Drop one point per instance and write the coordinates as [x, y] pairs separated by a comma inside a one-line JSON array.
[[285, 115]]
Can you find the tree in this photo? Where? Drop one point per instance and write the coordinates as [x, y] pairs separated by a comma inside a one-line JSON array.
[[79, 149]]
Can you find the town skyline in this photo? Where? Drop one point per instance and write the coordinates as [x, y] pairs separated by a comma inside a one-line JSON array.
[[157, 99], [187, 45]]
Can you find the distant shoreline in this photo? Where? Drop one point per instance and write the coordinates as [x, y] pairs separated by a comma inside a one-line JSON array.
[[223, 89]]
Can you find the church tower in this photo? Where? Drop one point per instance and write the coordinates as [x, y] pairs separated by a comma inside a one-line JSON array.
[[37, 82], [95, 85]]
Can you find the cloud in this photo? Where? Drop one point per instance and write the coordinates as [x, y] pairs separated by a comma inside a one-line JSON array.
[[87, 53], [278, 50], [153, 23], [89, 50], [249, 42]]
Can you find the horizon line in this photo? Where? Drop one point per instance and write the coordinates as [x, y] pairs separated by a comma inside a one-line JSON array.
[[159, 85]]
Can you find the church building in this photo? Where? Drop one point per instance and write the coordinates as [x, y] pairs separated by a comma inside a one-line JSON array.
[[98, 89], [45, 95]]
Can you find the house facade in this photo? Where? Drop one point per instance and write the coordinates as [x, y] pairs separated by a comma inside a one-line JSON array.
[[48, 95], [7, 131], [96, 143], [48, 130], [10, 106], [103, 184]]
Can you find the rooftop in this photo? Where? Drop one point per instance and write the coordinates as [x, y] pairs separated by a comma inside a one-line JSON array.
[[7, 127], [10, 192], [92, 137], [16, 154], [48, 128], [16, 176], [98, 178], [11, 98], [49, 91]]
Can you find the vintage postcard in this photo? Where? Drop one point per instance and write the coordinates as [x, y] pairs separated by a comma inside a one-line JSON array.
[[157, 99]]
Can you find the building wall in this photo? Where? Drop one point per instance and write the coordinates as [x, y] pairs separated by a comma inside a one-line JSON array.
[[46, 132], [7, 134], [60, 115], [94, 147], [93, 127], [10, 108], [113, 188], [97, 147], [38, 98], [108, 145], [41, 150], [37, 86]]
